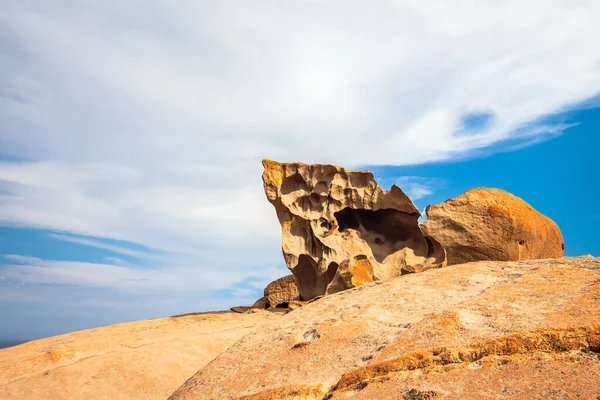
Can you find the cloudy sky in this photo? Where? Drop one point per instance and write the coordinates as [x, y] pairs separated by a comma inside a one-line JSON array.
[[131, 134]]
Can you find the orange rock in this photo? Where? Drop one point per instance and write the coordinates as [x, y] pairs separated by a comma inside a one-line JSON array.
[[492, 224], [351, 273], [483, 330], [144, 360]]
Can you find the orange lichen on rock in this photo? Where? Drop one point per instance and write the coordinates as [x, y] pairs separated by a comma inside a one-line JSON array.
[[539, 340], [351, 273], [293, 392], [275, 171], [362, 272]]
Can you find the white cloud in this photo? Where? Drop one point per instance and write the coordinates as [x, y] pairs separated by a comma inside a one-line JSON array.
[[95, 243], [117, 261], [417, 187], [146, 121], [174, 278]]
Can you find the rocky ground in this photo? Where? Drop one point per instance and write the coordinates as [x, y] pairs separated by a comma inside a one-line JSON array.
[[137, 360], [483, 330]]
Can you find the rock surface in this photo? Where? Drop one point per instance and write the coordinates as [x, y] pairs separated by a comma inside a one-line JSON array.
[[483, 330], [282, 291], [330, 215], [492, 224], [137, 360]]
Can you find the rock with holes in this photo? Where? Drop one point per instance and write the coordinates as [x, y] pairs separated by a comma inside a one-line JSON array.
[[492, 224], [330, 215], [281, 292]]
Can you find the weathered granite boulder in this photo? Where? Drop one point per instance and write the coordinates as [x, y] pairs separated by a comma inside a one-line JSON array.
[[330, 215], [282, 291], [492, 224]]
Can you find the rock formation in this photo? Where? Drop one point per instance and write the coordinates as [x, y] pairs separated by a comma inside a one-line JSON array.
[[483, 330], [331, 216], [282, 291], [492, 224]]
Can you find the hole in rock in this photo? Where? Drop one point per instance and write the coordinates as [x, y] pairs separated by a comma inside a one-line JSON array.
[[322, 187], [310, 203], [430, 247], [562, 246], [326, 224], [306, 274], [315, 198], [331, 270], [386, 231], [346, 219], [292, 183], [282, 305], [521, 242]]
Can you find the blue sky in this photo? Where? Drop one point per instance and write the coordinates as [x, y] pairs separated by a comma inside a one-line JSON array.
[[131, 136]]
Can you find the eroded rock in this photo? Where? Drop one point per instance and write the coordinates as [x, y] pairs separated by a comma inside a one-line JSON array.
[[330, 215], [492, 224]]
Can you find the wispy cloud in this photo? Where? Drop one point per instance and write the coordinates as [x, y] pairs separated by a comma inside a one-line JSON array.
[[163, 279], [117, 261], [105, 246], [417, 187]]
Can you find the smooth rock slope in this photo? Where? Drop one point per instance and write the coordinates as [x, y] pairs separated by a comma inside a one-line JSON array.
[[484, 330], [137, 360]]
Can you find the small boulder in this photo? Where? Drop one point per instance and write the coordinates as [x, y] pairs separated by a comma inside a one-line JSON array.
[[281, 292], [261, 303], [351, 273], [240, 309], [492, 224]]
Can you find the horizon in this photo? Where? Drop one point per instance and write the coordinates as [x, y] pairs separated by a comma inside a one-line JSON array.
[[132, 137]]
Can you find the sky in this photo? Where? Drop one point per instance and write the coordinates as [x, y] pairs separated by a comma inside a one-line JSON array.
[[132, 133]]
